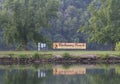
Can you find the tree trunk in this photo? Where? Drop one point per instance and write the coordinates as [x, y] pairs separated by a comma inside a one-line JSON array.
[[22, 46], [113, 46]]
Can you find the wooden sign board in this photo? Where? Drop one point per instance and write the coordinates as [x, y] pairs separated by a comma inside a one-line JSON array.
[[69, 45], [59, 71]]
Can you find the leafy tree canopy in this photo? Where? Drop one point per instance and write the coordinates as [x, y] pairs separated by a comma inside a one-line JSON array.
[[21, 20], [104, 24]]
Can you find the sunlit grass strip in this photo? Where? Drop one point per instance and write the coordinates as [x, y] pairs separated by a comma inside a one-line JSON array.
[[72, 53]]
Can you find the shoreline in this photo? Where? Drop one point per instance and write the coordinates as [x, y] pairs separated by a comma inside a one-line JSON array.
[[59, 57], [71, 60]]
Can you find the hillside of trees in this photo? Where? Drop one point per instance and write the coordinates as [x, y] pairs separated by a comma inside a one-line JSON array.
[[72, 15], [27, 22]]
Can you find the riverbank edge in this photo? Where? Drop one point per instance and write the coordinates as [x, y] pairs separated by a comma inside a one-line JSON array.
[[58, 59]]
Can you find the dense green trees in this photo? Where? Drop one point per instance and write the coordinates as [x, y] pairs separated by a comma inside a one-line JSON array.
[[104, 24], [22, 20], [72, 15]]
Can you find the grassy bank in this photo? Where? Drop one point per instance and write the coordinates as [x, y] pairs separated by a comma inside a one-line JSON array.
[[59, 57], [72, 53]]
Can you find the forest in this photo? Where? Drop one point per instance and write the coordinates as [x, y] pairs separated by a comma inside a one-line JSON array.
[[24, 23]]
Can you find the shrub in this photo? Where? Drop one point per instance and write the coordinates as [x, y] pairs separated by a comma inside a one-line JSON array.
[[117, 47], [118, 54], [36, 55], [11, 55], [66, 55], [103, 55], [22, 56]]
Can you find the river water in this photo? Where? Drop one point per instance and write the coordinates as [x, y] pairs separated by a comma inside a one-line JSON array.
[[59, 74]]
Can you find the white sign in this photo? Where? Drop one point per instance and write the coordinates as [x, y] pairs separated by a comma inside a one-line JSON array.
[[41, 46]]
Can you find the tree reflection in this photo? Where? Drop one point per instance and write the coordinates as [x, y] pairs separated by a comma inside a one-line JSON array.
[[23, 77], [104, 79], [46, 76]]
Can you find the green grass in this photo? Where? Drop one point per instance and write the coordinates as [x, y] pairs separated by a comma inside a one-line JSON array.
[[72, 53]]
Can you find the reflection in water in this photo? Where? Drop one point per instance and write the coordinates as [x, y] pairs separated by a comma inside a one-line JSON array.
[[60, 74], [80, 71]]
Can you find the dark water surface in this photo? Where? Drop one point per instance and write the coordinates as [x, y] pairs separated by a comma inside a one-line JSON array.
[[60, 74]]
